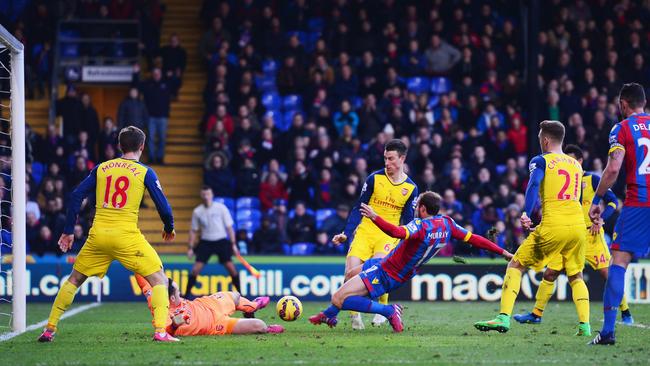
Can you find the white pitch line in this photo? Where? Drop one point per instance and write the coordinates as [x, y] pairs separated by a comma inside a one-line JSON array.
[[73, 312]]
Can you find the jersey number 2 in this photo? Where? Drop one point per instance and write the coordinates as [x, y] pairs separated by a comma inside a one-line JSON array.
[[644, 168], [119, 197], [562, 195]]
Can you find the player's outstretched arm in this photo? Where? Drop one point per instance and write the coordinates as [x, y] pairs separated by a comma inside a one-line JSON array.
[[459, 233], [77, 196], [385, 226], [162, 205]]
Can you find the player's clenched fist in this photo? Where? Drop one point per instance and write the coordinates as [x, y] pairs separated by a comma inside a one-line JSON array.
[[339, 238], [65, 242], [168, 236], [526, 222]]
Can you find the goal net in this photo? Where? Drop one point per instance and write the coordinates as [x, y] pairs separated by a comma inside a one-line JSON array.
[[13, 282]]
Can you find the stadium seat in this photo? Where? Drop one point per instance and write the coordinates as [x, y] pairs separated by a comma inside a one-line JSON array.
[[250, 203], [226, 201], [287, 118], [303, 248], [248, 214], [266, 84], [322, 215], [356, 102], [286, 249], [270, 67], [292, 102], [433, 101], [440, 85], [271, 100], [417, 84], [316, 24], [248, 225], [38, 171], [70, 50]]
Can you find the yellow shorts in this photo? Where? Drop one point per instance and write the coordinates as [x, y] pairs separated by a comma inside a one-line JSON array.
[[596, 253], [128, 246], [366, 245], [546, 243]]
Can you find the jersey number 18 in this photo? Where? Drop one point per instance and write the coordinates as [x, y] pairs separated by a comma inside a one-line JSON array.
[[119, 197]]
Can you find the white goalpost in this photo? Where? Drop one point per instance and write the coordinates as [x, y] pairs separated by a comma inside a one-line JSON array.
[[16, 120]]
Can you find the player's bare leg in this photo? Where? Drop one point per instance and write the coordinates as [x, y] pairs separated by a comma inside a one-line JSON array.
[[160, 305], [543, 295], [191, 281], [626, 315], [614, 291], [255, 326], [64, 299], [510, 290], [352, 264], [230, 267]]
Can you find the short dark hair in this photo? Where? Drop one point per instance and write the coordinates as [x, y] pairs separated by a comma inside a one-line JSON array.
[[633, 94], [553, 130], [130, 139], [575, 150], [396, 145], [431, 202], [205, 187]]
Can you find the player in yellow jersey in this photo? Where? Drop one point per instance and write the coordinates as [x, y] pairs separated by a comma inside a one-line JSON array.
[[118, 186], [556, 178], [391, 193], [597, 253]]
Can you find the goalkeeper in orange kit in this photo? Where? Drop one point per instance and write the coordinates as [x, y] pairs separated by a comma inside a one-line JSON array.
[[211, 315]]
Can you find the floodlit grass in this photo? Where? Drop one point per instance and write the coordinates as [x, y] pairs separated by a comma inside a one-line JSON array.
[[436, 333]]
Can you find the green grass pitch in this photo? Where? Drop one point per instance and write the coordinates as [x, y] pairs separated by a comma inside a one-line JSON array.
[[436, 333]]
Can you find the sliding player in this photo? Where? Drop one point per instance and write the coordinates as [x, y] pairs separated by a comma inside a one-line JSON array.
[[597, 253], [555, 177], [211, 315], [392, 194], [421, 240], [630, 143], [118, 186]]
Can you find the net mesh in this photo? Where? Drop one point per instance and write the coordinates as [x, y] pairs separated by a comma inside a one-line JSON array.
[[5, 191]]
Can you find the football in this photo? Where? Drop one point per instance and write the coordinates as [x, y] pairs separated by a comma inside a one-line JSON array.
[[289, 308]]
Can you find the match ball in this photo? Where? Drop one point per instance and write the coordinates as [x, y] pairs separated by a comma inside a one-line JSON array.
[[289, 308]]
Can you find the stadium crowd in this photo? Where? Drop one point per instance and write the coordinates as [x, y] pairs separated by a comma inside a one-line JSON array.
[[302, 95]]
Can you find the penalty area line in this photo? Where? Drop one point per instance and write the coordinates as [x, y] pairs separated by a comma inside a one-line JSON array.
[[73, 312]]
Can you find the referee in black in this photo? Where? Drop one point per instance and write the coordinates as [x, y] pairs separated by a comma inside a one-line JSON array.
[[213, 221]]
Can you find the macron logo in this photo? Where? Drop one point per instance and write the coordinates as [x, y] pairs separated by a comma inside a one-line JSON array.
[[532, 167], [158, 184]]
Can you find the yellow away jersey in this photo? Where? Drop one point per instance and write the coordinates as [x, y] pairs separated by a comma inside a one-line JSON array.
[[392, 201], [559, 188], [589, 184], [119, 186]]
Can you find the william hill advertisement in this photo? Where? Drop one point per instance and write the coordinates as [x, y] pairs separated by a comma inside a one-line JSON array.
[[309, 282]]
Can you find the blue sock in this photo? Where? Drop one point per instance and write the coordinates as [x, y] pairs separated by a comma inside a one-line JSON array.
[[614, 289], [331, 312], [365, 305]]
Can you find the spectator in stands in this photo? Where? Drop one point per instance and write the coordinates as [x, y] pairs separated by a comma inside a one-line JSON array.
[[291, 77], [70, 109], [346, 117], [335, 224], [218, 176], [108, 137], [302, 226], [440, 56], [89, 121], [79, 238], [299, 184], [212, 40], [174, 59], [157, 97], [132, 111], [248, 179], [53, 218], [33, 230], [266, 239], [271, 189]]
